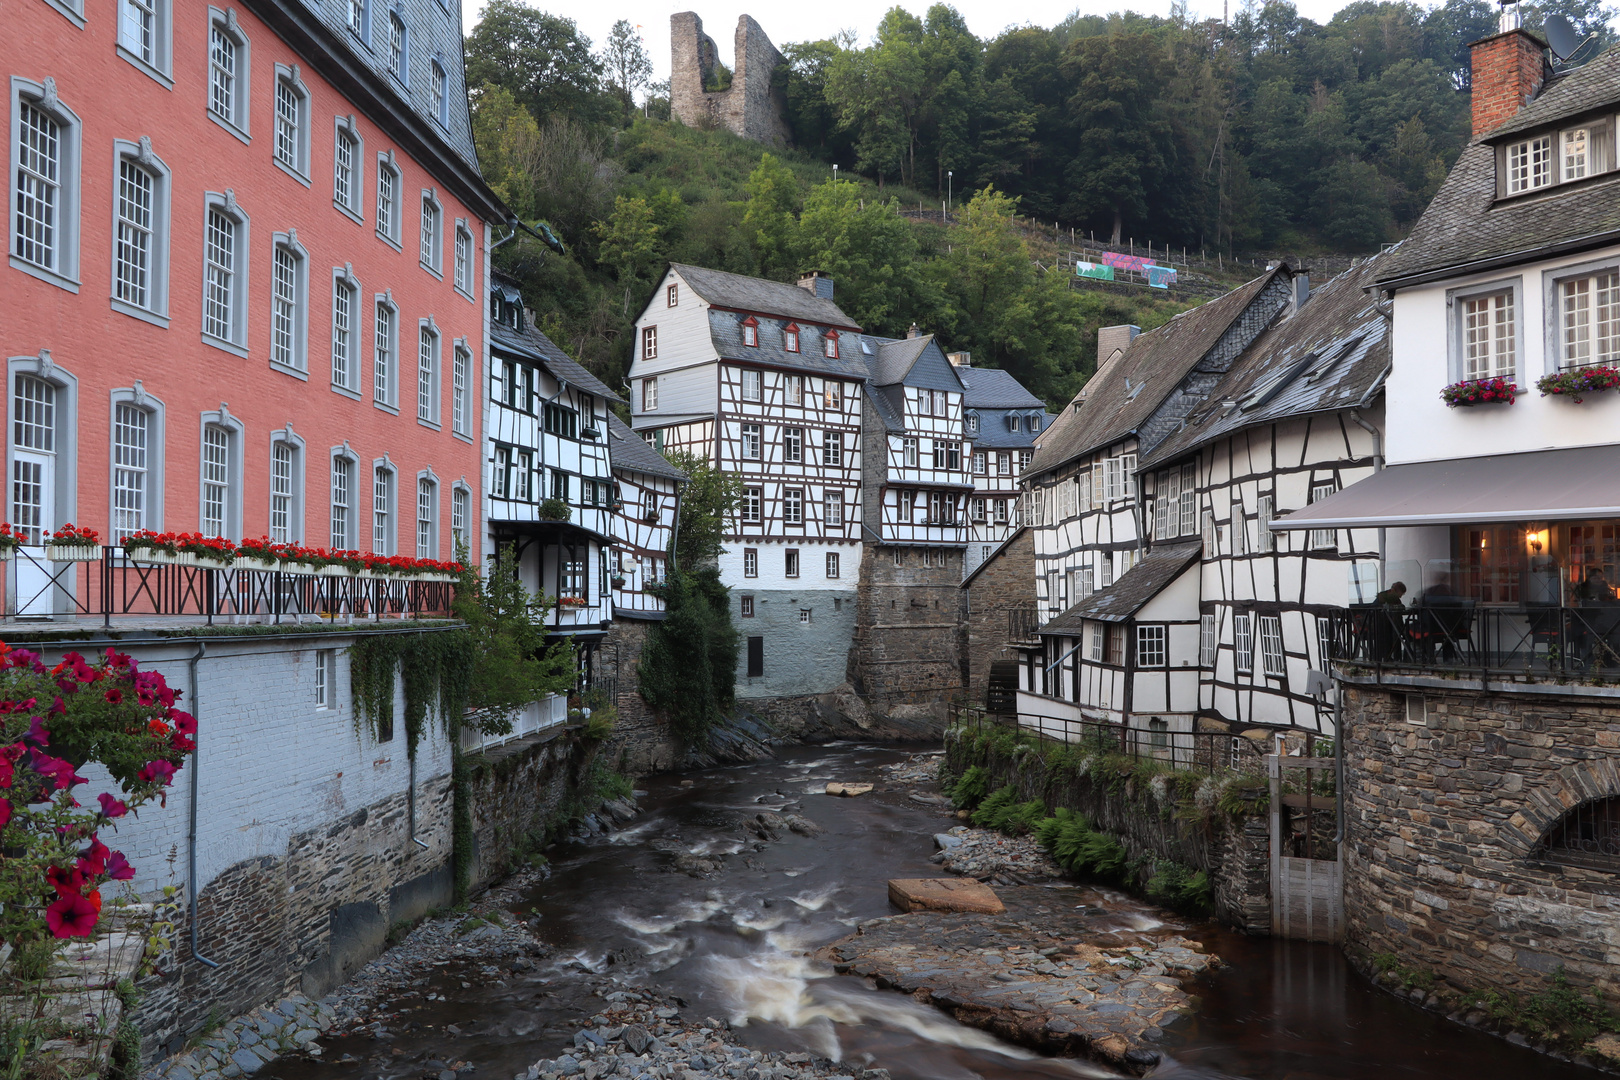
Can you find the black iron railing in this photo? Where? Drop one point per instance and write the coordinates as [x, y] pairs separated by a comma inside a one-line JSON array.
[[115, 586], [1536, 641]]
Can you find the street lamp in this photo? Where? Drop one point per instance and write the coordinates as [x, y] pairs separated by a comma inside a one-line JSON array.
[[949, 183], [835, 172]]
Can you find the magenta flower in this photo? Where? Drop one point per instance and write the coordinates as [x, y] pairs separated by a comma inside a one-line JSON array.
[[7, 770], [114, 697], [159, 772], [57, 770], [38, 734], [5, 812], [111, 807], [71, 916], [118, 867], [184, 722], [93, 859], [68, 882]]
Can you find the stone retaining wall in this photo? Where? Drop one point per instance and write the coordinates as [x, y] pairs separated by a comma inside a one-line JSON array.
[[518, 791], [1234, 852], [1451, 789]]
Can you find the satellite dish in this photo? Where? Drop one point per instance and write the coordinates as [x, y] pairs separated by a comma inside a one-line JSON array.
[[1561, 36]]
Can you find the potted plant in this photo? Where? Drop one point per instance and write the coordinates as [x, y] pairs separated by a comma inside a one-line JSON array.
[[259, 553], [572, 601], [1577, 383], [651, 517], [617, 580], [10, 540], [1479, 392], [71, 543], [554, 510], [155, 548], [212, 551], [342, 564]]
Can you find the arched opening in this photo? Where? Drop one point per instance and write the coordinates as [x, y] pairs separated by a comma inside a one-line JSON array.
[[1588, 835]]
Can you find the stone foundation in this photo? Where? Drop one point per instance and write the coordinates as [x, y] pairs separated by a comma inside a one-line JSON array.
[[518, 791], [1450, 795], [909, 632]]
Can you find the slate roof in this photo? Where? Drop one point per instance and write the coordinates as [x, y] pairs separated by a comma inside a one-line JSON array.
[[725, 331], [531, 343], [762, 296], [1465, 228], [992, 388], [888, 409], [892, 358], [1125, 597], [629, 451], [1126, 392], [1330, 355]]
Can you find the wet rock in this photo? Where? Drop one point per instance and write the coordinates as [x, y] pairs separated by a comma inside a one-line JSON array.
[[943, 894], [636, 1038], [947, 842], [695, 865], [803, 826], [848, 791]]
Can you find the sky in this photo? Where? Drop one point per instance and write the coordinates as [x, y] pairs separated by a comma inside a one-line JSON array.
[[823, 19]]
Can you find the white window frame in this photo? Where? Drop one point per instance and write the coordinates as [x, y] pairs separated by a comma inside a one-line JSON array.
[[426, 515], [751, 507], [358, 19], [289, 137], [62, 268], [1152, 645], [1530, 164], [1208, 642], [832, 503], [385, 358], [430, 253], [649, 394], [295, 359], [908, 451], [293, 446], [832, 564], [460, 520], [139, 155], [398, 56], [429, 347], [793, 506], [344, 283], [832, 449], [649, 348], [461, 366], [1243, 642], [753, 384], [345, 464], [1457, 301], [150, 468], [440, 91], [1266, 539], [346, 133], [382, 491], [148, 47], [232, 509], [464, 259], [752, 442], [223, 21], [389, 224], [790, 562], [1557, 345], [750, 563], [793, 445], [1575, 147], [325, 679], [1324, 539], [1273, 658], [226, 205]]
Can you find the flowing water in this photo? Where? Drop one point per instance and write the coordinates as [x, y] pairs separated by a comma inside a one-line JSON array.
[[736, 945]]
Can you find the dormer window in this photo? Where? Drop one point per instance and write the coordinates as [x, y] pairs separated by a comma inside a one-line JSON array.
[[1034, 422], [790, 337], [1012, 421], [973, 423], [1576, 156], [672, 296], [750, 329], [829, 345], [1529, 164]]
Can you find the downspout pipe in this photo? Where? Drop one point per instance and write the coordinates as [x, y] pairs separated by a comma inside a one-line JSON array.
[[191, 828], [1338, 760]]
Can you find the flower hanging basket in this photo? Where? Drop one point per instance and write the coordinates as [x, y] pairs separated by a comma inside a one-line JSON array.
[[1579, 382], [1480, 392]]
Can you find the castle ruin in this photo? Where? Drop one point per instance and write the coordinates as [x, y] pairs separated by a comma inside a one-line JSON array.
[[749, 106]]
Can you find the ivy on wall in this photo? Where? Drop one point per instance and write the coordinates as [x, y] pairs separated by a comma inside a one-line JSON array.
[[436, 666]]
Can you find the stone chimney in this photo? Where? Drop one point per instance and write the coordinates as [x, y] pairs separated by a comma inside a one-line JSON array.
[[1508, 70], [818, 282], [960, 359], [913, 331], [1301, 291], [1111, 339]]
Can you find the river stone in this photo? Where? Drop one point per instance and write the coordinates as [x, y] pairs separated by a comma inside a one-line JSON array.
[[944, 894], [636, 1038], [848, 791]]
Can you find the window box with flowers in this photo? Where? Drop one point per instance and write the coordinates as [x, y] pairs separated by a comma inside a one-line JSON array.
[[572, 602], [617, 581], [71, 543], [10, 540], [1480, 392], [1576, 383], [259, 553], [554, 510]]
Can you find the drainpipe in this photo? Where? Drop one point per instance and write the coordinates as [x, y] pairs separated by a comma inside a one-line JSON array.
[[191, 830], [675, 529], [512, 224], [1338, 764], [411, 803]]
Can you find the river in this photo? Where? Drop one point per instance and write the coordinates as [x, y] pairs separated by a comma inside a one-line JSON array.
[[734, 946]]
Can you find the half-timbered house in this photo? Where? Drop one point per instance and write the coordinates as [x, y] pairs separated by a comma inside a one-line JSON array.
[[1298, 417], [1087, 515], [647, 492], [550, 483], [1001, 419], [767, 381]]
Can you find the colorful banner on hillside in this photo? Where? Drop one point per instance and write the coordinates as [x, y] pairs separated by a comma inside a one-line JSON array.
[[1134, 263], [1161, 277], [1094, 270]]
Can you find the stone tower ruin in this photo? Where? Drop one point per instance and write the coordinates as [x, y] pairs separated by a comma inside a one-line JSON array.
[[749, 107]]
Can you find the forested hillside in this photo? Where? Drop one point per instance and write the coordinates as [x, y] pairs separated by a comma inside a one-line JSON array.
[[1270, 133]]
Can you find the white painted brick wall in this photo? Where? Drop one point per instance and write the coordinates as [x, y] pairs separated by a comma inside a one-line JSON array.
[[269, 764]]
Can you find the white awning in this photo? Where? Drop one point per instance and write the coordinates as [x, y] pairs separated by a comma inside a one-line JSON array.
[[1542, 485]]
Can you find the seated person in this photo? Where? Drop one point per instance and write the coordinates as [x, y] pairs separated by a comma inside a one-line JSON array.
[[1392, 596], [1596, 588]]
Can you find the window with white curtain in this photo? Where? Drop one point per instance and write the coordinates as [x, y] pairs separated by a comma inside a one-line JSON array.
[[1589, 319]]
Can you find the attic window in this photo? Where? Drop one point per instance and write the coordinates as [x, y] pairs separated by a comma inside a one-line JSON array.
[[1529, 164], [790, 337], [1034, 422], [829, 345], [750, 328], [973, 423], [672, 296], [1012, 421], [866, 346]]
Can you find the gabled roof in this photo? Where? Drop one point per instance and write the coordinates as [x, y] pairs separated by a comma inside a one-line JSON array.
[[1125, 597], [1465, 229], [1122, 397], [1331, 354], [629, 451], [992, 388], [531, 344], [761, 295], [725, 331], [892, 358]]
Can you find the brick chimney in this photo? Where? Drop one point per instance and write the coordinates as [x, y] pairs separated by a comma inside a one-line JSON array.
[[1508, 69]]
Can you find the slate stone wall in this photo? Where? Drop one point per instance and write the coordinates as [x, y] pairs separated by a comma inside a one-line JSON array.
[[995, 596], [641, 742], [909, 633], [1448, 802], [750, 107]]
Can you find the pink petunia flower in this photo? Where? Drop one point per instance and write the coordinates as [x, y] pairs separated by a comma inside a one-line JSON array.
[[158, 771], [93, 859], [5, 812], [111, 807], [58, 771], [38, 734], [71, 916], [118, 867]]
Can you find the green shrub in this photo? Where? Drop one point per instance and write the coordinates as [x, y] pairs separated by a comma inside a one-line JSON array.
[[1174, 886], [971, 788], [1080, 849], [1004, 813]]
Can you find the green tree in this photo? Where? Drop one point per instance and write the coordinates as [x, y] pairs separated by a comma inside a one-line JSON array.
[[870, 251], [542, 59], [688, 667], [507, 138], [629, 239], [1352, 206], [878, 93], [627, 64], [773, 196], [708, 499]]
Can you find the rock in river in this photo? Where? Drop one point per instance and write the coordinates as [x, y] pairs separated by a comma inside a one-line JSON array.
[[944, 894]]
